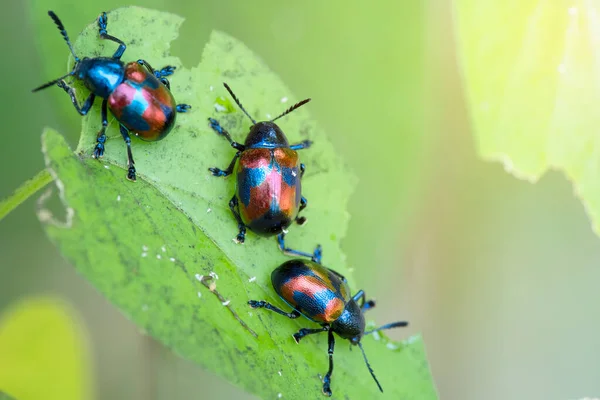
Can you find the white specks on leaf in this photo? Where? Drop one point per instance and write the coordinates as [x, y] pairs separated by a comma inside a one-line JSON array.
[[252, 279], [164, 248], [199, 277], [561, 68], [119, 198], [158, 256], [226, 303], [211, 88], [43, 213], [279, 372], [412, 339], [107, 167], [392, 346], [144, 254], [172, 259], [145, 307], [145, 248], [284, 99], [208, 210], [199, 294], [213, 275], [376, 336], [219, 108], [268, 115]]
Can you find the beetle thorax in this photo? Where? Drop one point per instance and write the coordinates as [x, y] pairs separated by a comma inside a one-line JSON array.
[[265, 134], [351, 324], [100, 75]]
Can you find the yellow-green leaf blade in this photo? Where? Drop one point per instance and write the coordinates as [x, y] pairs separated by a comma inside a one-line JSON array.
[[531, 76], [43, 351]]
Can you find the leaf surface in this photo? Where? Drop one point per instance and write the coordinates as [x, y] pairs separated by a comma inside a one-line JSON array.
[[145, 244], [43, 352], [533, 88]]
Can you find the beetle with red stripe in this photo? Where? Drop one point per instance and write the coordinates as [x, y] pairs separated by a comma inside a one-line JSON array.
[[322, 295], [138, 96], [268, 195]]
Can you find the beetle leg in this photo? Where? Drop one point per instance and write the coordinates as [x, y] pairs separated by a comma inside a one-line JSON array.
[[83, 110], [165, 71], [303, 201], [302, 145], [360, 295], [166, 82], [158, 74], [101, 139], [214, 124], [181, 108], [145, 63], [161, 74], [399, 324], [228, 171], [327, 379], [102, 21], [263, 304], [130, 162], [306, 331], [303, 204], [233, 203], [316, 256], [364, 303], [368, 305]]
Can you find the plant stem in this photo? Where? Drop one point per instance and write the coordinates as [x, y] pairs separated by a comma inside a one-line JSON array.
[[23, 192]]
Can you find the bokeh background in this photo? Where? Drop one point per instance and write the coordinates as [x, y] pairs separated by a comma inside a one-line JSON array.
[[499, 275]]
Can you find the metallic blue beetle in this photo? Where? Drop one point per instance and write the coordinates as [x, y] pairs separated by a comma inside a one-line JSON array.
[[138, 96], [322, 295], [268, 172]]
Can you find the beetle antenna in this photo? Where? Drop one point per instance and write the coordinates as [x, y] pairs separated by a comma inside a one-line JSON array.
[[369, 366], [292, 108], [399, 324], [45, 85], [238, 102], [63, 32]]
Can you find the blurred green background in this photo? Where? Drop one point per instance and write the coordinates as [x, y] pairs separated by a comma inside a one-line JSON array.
[[500, 276]]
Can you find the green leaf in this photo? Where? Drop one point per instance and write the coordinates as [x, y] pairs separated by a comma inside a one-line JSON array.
[[532, 89], [4, 396], [41, 342], [23, 192], [145, 244]]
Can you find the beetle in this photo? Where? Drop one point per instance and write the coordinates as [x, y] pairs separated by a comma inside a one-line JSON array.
[[137, 95], [322, 295], [268, 194]]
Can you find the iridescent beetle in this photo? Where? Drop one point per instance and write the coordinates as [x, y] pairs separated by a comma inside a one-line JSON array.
[[268, 194], [322, 295], [138, 96]]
